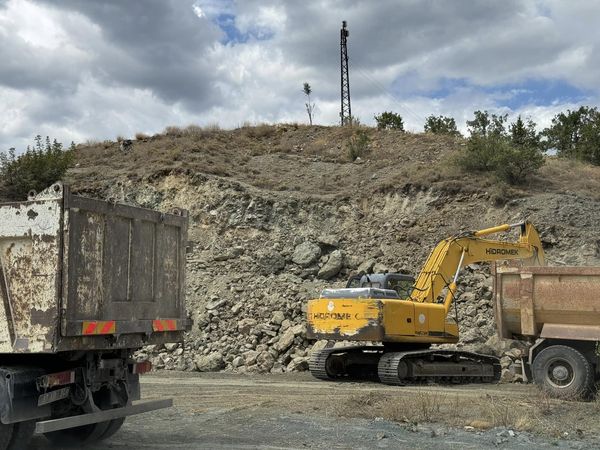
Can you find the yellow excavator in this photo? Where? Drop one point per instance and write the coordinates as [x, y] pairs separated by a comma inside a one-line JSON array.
[[405, 316]]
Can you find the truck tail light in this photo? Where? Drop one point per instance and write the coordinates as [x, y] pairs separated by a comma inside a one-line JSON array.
[[142, 367], [56, 379]]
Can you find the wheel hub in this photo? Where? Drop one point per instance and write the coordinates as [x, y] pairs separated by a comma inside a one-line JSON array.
[[560, 373]]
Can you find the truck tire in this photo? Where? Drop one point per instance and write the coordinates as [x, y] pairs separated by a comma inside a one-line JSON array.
[[21, 435], [563, 372], [114, 426], [79, 436], [5, 435]]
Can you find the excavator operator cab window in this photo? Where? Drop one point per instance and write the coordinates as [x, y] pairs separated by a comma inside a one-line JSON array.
[[354, 282], [402, 284], [402, 287]]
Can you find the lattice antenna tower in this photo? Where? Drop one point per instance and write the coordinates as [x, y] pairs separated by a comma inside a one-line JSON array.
[[345, 111]]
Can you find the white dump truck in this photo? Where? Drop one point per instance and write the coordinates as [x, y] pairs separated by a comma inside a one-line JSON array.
[[83, 284]]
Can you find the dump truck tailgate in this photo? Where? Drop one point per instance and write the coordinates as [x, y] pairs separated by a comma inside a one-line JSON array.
[[121, 264], [78, 273]]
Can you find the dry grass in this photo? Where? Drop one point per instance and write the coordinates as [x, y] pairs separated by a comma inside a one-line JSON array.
[[421, 406], [575, 176], [534, 412], [261, 131], [312, 160]]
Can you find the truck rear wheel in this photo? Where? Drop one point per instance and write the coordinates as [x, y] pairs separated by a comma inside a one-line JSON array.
[[21, 435], [16, 436], [5, 435], [114, 426], [76, 437], [563, 372]]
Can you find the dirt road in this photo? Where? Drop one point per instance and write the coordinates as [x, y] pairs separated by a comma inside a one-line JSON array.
[[217, 411]]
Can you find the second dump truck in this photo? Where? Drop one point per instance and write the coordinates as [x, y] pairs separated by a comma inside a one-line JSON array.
[[557, 311], [83, 284]]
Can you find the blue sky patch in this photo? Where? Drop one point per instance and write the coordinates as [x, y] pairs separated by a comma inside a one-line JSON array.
[[226, 22], [448, 86], [538, 92]]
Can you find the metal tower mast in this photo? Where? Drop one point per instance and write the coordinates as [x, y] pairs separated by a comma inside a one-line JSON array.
[[346, 111]]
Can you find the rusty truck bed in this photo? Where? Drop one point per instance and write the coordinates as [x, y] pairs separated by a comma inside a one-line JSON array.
[[78, 273], [548, 302]]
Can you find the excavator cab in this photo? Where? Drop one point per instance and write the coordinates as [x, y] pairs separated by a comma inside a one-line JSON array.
[[401, 283]]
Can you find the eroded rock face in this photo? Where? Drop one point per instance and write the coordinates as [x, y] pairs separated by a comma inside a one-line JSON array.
[[258, 257]]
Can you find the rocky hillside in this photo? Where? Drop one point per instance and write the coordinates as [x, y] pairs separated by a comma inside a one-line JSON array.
[[280, 212]]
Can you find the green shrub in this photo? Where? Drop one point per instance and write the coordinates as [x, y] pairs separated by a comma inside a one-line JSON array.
[[36, 169], [389, 120], [441, 125], [576, 134], [481, 152], [357, 145], [512, 156], [514, 164], [511, 163]]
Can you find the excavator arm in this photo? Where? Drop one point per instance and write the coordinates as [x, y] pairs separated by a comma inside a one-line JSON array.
[[443, 266]]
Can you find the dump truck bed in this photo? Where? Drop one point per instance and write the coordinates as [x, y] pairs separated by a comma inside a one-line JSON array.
[[84, 274], [548, 302]]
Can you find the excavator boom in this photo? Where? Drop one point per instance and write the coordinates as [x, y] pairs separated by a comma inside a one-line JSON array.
[[447, 259]]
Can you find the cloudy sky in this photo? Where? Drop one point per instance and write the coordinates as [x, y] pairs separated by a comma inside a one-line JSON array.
[[83, 69]]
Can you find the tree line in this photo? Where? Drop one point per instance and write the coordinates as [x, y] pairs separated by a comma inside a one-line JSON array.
[[41, 165], [515, 150]]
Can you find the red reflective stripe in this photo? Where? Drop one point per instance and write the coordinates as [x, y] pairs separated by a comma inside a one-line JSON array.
[[109, 327], [143, 367], [164, 325], [89, 327], [103, 327]]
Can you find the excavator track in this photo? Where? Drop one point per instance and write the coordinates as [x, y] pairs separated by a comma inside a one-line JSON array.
[[402, 368], [439, 366], [317, 364], [356, 362], [387, 369]]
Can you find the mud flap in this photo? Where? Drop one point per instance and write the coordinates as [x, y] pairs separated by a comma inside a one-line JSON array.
[[19, 395]]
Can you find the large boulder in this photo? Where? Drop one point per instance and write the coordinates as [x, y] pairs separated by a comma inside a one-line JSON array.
[[286, 340], [298, 364], [333, 265], [212, 362], [265, 361], [306, 253], [278, 317]]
